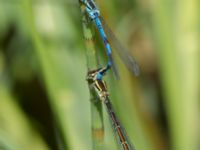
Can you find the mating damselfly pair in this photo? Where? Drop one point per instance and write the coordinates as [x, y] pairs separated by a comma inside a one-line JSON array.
[[95, 77]]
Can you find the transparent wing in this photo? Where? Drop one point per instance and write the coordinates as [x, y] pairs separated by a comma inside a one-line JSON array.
[[114, 68], [125, 56]]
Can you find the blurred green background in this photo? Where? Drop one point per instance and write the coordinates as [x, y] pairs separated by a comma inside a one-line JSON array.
[[44, 98]]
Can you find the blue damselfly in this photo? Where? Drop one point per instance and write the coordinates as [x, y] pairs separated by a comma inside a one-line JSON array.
[[106, 34]]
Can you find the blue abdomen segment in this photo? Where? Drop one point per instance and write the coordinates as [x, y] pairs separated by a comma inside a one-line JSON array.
[[104, 38], [107, 46]]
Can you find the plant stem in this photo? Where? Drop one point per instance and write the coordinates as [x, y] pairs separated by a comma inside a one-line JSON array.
[[97, 126]]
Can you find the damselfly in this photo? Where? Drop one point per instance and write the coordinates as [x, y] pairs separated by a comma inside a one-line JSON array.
[[99, 86], [105, 34]]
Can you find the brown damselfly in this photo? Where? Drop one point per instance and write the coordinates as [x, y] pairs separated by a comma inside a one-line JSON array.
[[99, 85]]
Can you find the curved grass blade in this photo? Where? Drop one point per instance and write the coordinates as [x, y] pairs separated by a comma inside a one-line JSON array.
[[125, 56]]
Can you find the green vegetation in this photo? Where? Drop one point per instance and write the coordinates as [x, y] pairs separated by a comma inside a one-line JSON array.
[[44, 97]]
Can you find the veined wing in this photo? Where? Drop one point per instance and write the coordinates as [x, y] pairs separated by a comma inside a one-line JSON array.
[[126, 57], [114, 68]]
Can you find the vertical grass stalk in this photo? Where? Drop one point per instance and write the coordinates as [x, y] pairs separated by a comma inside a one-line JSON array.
[[97, 126]]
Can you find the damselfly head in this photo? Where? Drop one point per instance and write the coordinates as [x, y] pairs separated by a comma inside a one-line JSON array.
[[91, 8], [92, 75]]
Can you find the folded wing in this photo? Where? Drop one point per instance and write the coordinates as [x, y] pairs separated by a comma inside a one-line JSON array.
[[125, 56]]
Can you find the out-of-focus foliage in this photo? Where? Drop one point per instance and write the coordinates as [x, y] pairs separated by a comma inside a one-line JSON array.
[[44, 98]]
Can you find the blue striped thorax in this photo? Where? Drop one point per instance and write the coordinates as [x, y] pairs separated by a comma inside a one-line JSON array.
[[93, 13], [91, 8]]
